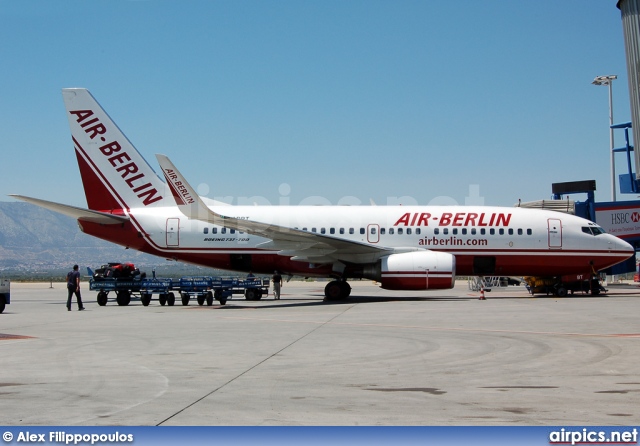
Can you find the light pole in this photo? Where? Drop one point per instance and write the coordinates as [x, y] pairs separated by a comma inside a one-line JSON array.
[[608, 80]]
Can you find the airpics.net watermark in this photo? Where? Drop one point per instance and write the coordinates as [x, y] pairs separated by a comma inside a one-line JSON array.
[[591, 436], [472, 199], [62, 437]]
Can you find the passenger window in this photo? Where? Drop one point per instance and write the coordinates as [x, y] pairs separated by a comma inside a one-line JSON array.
[[362, 231], [341, 230], [233, 231], [223, 231], [492, 231], [206, 230], [510, 231], [351, 231], [313, 230], [418, 231], [464, 231], [214, 230], [409, 231], [332, 231], [322, 230], [483, 231], [454, 231], [519, 231], [445, 231], [436, 231], [529, 232], [400, 230], [373, 230], [383, 231], [473, 231], [501, 231], [391, 231]]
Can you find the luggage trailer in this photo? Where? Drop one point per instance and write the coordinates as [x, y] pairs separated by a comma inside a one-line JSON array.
[[204, 289]]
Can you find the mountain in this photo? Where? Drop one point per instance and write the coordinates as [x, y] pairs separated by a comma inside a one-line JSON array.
[[38, 242]]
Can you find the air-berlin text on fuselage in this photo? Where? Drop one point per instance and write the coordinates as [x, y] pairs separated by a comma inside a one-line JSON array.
[[119, 159], [457, 219]]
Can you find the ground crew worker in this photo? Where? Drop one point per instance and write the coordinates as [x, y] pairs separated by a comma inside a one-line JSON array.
[[277, 283], [73, 287]]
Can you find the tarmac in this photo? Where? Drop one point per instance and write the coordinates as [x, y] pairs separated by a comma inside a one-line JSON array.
[[379, 358]]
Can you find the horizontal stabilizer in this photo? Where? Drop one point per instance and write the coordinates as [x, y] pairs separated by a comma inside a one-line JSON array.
[[75, 212]]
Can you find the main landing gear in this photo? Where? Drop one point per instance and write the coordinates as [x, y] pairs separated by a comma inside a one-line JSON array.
[[337, 290]]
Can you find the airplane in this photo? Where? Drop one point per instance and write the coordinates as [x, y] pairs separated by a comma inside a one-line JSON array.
[[400, 247]]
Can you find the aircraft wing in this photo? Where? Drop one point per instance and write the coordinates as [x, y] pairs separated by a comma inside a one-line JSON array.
[[75, 212], [298, 244]]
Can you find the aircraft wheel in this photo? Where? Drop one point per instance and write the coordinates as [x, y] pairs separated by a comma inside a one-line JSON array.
[[146, 299], [333, 290], [102, 298], [123, 298], [561, 291], [171, 299], [345, 288]]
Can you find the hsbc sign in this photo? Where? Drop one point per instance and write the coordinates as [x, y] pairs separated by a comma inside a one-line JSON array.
[[620, 219]]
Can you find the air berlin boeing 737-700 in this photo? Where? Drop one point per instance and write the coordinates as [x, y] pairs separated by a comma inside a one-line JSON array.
[[401, 247]]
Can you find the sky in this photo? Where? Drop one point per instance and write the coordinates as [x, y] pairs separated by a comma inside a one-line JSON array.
[[321, 101]]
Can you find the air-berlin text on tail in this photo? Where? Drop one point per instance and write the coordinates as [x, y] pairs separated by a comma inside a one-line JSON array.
[[457, 219], [118, 158], [178, 189]]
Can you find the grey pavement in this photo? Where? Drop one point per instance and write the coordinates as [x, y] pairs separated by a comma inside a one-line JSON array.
[[379, 358]]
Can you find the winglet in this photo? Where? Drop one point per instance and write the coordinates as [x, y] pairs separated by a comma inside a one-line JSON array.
[[185, 196]]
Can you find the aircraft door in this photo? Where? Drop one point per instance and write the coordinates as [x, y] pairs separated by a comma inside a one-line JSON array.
[[173, 232], [373, 233], [555, 232]]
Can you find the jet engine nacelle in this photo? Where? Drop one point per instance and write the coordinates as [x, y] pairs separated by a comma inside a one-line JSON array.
[[418, 270]]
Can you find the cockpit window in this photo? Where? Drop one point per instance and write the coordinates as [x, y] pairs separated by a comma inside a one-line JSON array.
[[593, 230]]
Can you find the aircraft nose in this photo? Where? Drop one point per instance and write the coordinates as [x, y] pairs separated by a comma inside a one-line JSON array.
[[621, 245]]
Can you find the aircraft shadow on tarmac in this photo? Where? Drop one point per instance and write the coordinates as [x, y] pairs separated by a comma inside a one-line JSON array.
[[297, 303], [578, 295], [313, 302]]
